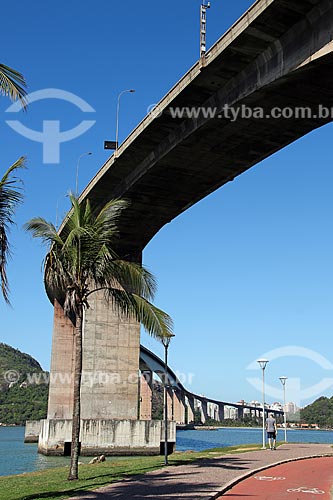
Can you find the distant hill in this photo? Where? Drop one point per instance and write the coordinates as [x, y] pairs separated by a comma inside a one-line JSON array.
[[319, 412], [23, 387]]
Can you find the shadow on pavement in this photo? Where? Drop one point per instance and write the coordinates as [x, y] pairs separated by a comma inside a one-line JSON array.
[[168, 483]]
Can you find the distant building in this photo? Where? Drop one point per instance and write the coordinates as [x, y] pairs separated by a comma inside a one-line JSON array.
[[277, 406], [291, 408], [257, 404]]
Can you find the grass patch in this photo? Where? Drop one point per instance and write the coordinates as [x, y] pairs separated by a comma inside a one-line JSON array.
[[52, 484]]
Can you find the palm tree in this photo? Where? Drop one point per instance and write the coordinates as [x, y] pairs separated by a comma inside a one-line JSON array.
[[10, 197], [80, 261], [12, 84]]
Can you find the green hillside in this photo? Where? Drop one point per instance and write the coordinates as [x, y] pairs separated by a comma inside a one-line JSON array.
[[23, 362], [23, 387], [320, 412]]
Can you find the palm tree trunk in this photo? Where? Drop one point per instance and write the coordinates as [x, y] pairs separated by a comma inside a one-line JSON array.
[[73, 471]]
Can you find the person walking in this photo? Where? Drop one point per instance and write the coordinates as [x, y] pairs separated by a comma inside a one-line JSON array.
[[271, 431]]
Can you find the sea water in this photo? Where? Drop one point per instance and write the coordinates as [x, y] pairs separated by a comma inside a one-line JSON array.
[[16, 457]]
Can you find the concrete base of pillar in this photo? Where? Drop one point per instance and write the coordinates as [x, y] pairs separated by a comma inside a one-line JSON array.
[[107, 437], [32, 431]]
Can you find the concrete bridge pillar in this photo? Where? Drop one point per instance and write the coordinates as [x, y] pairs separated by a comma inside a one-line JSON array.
[[60, 403], [261, 413], [111, 346], [146, 393], [220, 412], [204, 411], [190, 410], [110, 380], [170, 403], [240, 412], [179, 407]]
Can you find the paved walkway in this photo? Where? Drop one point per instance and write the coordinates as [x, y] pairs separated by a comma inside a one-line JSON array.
[[205, 479]]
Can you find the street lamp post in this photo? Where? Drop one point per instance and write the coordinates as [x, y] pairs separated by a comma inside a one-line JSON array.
[[117, 115], [166, 342], [283, 382], [263, 364], [77, 170]]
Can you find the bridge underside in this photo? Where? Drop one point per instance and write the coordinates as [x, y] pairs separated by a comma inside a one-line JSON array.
[[220, 151], [283, 58]]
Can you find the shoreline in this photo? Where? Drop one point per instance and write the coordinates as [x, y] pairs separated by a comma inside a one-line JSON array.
[[25, 454], [215, 427]]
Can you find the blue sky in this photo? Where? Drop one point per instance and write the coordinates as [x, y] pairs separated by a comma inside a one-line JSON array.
[[245, 272]]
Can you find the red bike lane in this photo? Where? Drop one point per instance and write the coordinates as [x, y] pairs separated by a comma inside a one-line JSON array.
[[310, 478]]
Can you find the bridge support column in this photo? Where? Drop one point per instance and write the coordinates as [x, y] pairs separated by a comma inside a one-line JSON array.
[[190, 410], [60, 403], [110, 377], [179, 407], [220, 412], [170, 403], [111, 347], [146, 393], [240, 412], [261, 414], [204, 411]]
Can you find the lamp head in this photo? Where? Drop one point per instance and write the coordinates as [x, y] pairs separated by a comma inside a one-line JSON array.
[[283, 380], [262, 363], [167, 339], [86, 153]]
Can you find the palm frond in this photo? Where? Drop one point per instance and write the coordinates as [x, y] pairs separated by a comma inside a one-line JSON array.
[[10, 193], [4, 254], [20, 163], [44, 230], [13, 85], [82, 260], [10, 197], [110, 214], [130, 276], [156, 322]]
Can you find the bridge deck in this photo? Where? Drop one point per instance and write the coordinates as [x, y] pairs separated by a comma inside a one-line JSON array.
[[168, 164]]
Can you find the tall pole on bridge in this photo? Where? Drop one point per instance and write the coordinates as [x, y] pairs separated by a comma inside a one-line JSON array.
[[203, 27], [166, 342], [263, 364], [283, 382]]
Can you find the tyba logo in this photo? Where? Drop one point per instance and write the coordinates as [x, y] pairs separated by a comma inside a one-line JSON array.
[[296, 392], [51, 137]]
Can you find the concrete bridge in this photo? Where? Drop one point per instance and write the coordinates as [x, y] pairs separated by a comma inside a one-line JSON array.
[[277, 56], [182, 403]]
